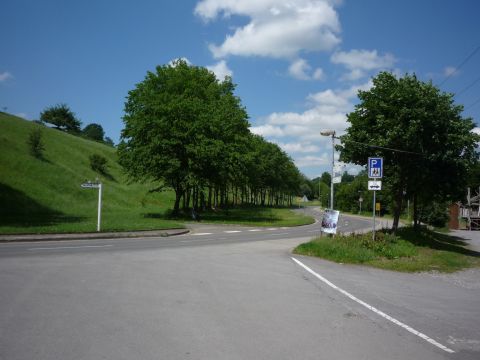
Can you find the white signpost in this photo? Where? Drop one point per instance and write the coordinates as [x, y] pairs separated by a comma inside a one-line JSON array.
[[375, 171], [90, 185]]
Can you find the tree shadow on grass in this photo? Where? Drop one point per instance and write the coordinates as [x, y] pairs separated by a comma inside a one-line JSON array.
[[235, 215], [433, 240], [20, 210]]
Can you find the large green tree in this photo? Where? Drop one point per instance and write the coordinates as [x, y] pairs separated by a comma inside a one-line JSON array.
[[427, 146], [61, 117], [180, 123]]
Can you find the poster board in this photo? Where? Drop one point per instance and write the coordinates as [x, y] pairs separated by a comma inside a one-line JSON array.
[[330, 221]]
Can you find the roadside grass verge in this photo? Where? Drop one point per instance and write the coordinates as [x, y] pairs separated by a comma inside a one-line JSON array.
[[410, 250], [255, 216]]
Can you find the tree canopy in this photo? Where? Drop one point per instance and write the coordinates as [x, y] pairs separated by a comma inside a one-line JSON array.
[[61, 117], [94, 132], [427, 146], [185, 129]]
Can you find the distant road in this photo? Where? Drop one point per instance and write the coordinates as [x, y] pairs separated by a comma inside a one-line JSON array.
[[201, 234], [224, 292]]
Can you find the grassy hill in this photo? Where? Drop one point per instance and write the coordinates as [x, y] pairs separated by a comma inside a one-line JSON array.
[[44, 195]]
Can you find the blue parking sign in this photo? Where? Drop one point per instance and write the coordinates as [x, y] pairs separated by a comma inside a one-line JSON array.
[[375, 167]]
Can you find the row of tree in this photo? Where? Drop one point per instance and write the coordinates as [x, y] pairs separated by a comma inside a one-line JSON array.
[[62, 118], [186, 130]]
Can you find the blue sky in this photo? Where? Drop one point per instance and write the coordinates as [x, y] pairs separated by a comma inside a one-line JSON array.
[[297, 63]]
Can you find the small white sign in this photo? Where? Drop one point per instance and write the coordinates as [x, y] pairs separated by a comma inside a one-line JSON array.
[[337, 179], [374, 185], [90, 185], [304, 199]]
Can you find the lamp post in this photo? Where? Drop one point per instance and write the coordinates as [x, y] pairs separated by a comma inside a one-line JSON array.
[[332, 134]]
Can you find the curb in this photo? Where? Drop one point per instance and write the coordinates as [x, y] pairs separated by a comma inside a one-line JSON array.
[[92, 236]]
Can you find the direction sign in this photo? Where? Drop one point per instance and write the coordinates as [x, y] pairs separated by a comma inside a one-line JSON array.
[[89, 185], [375, 167], [374, 185]]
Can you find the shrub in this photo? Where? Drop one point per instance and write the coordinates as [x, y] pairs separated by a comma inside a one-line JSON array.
[[35, 143], [434, 214], [98, 163]]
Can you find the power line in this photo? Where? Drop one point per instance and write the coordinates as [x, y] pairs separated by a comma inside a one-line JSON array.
[[472, 104], [381, 147], [459, 66], [467, 87]]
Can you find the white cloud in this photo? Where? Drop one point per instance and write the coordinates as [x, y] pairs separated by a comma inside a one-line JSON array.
[[476, 130], [313, 161], [301, 70], [299, 133], [359, 62], [267, 130], [5, 76], [278, 29], [318, 74], [363, 59], [449, 71], [220, 70], [294, 148]]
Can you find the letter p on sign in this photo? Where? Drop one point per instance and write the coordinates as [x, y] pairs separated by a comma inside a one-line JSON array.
[[375, 167]]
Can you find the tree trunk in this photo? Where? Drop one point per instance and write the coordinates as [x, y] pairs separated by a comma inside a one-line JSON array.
[[416, 221], [397, 210], [209, 203], [186, 202], [178, 197]]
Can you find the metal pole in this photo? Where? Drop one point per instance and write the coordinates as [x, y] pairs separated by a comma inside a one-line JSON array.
[[319, 196], [99, 206], [333, 164], [374, 201]]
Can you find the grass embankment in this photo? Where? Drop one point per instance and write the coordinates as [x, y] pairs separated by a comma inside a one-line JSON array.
[[411, 250], [44, 195]]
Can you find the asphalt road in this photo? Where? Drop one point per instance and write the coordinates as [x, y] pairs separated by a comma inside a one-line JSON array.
[[224, 293]]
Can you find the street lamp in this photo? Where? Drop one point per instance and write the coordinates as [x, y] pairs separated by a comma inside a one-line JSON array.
[[332, 134]]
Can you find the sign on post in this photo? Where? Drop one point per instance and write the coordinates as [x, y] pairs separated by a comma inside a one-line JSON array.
[[91, 185], [375, 167], [374, 185], [375, 171]]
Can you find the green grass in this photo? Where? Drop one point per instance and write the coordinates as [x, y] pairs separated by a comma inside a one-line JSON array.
[[257, 216], [44, 195], [411, 250]]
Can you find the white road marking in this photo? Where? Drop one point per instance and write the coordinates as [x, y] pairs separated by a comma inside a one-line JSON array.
[[202, 234], [232, 231], [255, 230], [272, 229], [375, 310], [69, 247], [314, 231]]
